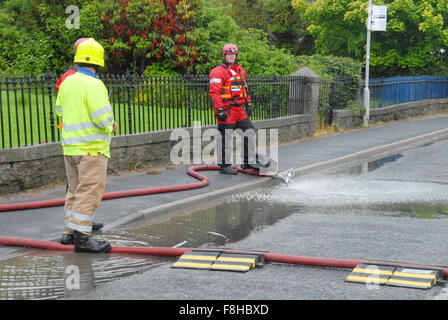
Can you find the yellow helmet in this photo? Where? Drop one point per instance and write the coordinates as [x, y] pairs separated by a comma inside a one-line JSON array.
[[90, 51]]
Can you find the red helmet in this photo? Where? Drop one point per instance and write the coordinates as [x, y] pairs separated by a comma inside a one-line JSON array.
[[77, 44], [229, 48]]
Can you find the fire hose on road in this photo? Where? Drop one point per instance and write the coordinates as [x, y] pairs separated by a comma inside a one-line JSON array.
[[174, 252], [192, 171], [167, 251]]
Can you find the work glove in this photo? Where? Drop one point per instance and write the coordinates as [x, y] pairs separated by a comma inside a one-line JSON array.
[[249, 109], [222, 115]]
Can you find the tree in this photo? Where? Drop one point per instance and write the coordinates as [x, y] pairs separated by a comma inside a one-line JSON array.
[[214, 29], [286, 27], [148, 31], [247, 13], [415, 41], [35, 36], [23, 49], [145, 36]]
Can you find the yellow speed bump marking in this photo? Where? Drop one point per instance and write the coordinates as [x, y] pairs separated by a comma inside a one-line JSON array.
[[370, 274], [391, 275], [415, 278], [367, 279], [218, 260], [415, 275], [236, 267], [192, 265], [410, 283], [247, 260], [197, 260], [373, 271], [191, 257]]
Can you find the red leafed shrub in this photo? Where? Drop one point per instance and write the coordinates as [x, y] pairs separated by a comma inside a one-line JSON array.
[[138, 33]]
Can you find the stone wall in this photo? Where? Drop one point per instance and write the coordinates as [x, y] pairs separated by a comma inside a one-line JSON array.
[[349, 119], [34, 166]]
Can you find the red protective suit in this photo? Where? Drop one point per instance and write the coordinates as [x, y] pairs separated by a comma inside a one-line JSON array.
[[68, 73], [228, 88]]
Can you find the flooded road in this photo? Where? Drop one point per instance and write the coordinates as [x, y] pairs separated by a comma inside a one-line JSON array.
[[401, 186]]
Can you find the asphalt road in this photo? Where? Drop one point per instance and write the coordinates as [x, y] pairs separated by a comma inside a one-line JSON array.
[[397, 211]]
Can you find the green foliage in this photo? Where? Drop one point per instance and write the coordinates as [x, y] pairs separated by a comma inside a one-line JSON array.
[[215, 29], [35, 36], [287, 27], [21, 52], [141, 32], [159, 69], [144, 36], [247, 13], [135, 33], [341, 81], [415, 41], [284, 25], [329, 67]]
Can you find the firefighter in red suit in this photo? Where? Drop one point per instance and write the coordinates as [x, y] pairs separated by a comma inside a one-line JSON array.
[[233, 108]]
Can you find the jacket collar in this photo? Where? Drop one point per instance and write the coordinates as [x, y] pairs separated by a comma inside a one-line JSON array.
[[87, 72]]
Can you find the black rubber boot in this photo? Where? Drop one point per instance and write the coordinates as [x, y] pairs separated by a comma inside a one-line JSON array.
[[246, 166], [97, 226], [227, 169], [83, 243], [257, 166], [67, 238]]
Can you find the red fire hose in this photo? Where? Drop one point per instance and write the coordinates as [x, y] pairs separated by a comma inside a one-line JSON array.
[[192, 171], [166, 251]]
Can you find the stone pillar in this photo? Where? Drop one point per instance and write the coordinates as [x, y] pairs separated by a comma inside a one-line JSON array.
[[311, 95]]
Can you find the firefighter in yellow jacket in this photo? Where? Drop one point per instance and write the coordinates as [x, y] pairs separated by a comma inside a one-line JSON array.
[[88, 123]]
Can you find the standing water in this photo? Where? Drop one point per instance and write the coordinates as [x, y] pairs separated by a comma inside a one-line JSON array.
[[41, 274]]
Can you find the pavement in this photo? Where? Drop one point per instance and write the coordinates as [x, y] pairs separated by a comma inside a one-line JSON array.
[[312, 154], [340, 235]]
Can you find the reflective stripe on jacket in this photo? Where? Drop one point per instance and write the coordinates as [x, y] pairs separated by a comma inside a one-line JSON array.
[[83, 104]]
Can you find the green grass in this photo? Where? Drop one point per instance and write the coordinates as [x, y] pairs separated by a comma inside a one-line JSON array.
[[27, 122], [27, 119], [24, 120]]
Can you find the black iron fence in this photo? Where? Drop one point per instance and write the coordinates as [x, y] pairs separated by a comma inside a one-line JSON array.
[[140, 103], [336, 94]]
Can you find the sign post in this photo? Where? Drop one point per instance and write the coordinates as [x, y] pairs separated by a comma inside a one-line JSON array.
[[376, 21]]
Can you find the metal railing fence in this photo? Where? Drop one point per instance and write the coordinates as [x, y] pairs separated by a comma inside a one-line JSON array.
[[345, 93], [395, 90], [336, 94], [140, 103]]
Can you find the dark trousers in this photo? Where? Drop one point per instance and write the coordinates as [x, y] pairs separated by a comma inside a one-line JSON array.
[[226, 141]]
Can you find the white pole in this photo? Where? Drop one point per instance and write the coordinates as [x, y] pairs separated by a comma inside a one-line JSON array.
[[366, 88]]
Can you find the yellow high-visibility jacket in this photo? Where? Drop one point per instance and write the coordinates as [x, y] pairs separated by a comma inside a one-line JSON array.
[[83, 104]]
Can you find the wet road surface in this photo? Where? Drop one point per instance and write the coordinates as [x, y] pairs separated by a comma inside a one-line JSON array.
[[393, 209]]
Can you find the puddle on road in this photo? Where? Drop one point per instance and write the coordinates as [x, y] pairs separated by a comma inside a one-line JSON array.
[[217, 226], [44, 274], [41, 274], [49, 275]]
